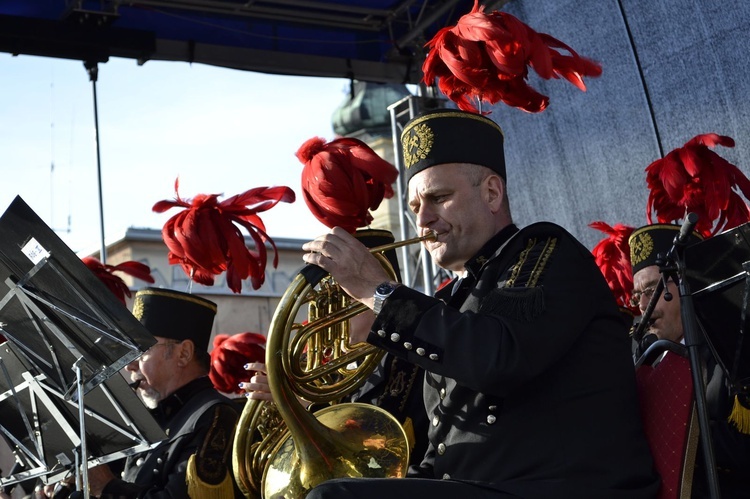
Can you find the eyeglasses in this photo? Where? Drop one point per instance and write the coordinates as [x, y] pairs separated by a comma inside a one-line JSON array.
[[635, 299]]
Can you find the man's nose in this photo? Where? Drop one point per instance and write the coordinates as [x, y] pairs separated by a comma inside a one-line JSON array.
[[642, 303], [426, 217]]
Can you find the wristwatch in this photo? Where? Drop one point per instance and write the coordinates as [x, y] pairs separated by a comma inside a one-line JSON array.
[[382, 292]]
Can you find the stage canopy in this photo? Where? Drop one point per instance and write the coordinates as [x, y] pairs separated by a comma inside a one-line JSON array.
[[368, 40]]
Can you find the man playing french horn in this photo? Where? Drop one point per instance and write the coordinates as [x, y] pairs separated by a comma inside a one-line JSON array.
[[529, 384]]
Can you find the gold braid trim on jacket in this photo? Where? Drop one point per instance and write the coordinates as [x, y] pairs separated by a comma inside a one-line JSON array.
[[521, 297]]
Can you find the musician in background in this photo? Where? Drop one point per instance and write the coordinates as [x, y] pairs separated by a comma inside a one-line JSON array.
[[172, 380], [731, 446], [529, 383]]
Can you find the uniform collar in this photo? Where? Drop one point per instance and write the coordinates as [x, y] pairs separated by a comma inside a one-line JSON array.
[[475, 263], [168, 407]]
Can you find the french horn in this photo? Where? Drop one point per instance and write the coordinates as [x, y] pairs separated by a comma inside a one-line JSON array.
[[283, 450]]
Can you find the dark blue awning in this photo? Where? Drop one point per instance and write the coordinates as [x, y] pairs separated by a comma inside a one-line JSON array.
[[368, 40]]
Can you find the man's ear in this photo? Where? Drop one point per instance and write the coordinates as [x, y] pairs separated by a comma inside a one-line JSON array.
[[185, 352], [494, 192]]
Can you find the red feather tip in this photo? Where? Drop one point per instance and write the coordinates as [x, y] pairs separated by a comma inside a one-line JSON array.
[[485, 58], [206, 240], [343, 180], [229, 356], [695, 179], [612, 255], [114, 283]]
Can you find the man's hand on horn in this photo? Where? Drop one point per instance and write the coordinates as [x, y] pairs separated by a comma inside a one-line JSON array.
[[355, 269]]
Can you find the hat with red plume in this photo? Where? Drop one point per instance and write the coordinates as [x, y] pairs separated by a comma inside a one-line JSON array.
[[486, 56], [343, 180], [695, 179], [229, 356], [205, 241], [105, 273]]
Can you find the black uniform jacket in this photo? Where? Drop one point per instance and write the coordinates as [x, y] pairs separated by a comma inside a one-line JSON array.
[[396, 386], [197, 420], [530, 387]]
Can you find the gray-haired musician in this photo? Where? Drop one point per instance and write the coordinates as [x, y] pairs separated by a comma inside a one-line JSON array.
[[172, 380], [731, 441], [530, 386]]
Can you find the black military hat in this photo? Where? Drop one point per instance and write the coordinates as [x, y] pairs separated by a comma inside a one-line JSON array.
[[175, 315], [451, 136], [650, 242]]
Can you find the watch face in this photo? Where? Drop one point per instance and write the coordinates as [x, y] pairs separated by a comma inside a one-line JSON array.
[[384, 288]]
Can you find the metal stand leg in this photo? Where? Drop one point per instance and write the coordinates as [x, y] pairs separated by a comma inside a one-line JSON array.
[[82, 466]]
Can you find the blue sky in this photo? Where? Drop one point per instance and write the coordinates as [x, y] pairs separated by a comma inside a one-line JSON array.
[[219, 130]]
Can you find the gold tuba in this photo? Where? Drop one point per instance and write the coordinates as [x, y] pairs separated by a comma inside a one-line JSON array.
[[281, 449]]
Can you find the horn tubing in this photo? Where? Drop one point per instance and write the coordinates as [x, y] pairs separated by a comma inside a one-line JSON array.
[[431, 236], [314, 274]]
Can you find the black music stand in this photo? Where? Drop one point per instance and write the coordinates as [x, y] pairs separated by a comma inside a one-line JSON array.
[[68, 338], [718, 273], [718, 279]]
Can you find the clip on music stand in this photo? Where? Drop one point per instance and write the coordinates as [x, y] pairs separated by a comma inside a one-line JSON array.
[[68, 337]]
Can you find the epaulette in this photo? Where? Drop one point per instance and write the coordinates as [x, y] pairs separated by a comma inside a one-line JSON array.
[[208, 472], [740, 415]]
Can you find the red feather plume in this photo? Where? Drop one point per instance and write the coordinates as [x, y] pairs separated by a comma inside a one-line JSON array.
[[343, 180], [485, 57], [205, 241], [694, 178], [612, 255], [105, 273], [229, 356]]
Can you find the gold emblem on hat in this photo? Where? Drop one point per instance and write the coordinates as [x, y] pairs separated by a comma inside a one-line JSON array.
[[138, 309], [641, 248], [418, 144]]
